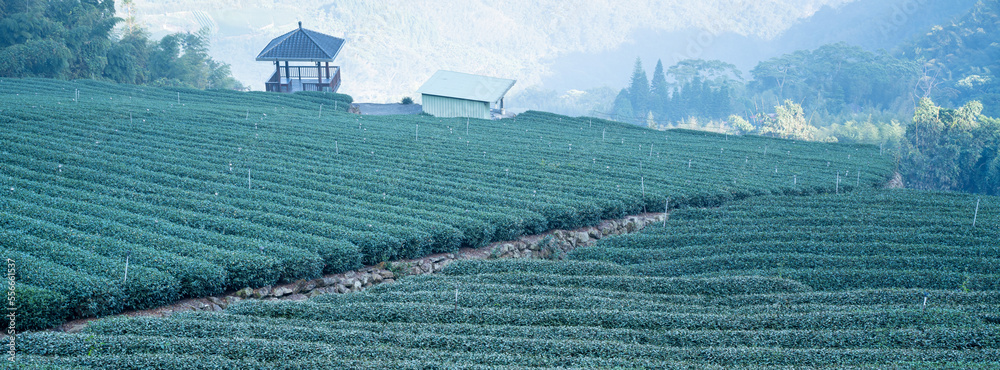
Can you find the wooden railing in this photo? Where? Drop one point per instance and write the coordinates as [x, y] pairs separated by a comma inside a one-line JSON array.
[[304, 78]]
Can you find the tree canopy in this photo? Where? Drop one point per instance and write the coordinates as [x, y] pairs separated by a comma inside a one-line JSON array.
[[837, 78], [961, 58], [952, 149], [952, 64], [789, 122], [73, 39]]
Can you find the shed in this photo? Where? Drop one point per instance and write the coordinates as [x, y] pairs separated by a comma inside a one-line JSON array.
[[302, 45], [455, 94]]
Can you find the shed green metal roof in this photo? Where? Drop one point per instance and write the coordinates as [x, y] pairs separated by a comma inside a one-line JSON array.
[[302, 45], [466, 86]]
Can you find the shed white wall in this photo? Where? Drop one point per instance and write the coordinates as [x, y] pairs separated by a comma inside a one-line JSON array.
[[440, 106]]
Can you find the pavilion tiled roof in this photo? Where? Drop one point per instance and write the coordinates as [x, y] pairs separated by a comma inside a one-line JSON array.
[[302, 45]]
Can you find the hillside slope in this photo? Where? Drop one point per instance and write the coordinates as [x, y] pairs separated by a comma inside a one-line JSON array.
[[865, 280], [900, 239], [200, 192]]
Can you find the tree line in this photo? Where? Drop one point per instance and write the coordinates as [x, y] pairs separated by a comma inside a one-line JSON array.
[[952, 149], [72, 39], [836, 83], [836, 80], [696, 88], [843, 93], [955, 149]]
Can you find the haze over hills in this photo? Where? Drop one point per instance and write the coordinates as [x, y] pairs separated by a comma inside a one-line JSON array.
[[874, 25], [394, 46]]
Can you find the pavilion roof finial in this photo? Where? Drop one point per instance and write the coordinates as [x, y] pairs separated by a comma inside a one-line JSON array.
[[300, 25]]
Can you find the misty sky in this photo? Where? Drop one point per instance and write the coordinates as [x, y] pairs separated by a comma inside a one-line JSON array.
[[394, 46]]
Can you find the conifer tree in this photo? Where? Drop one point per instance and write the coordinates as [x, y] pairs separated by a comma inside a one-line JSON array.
[[638, 90], [659, 92]]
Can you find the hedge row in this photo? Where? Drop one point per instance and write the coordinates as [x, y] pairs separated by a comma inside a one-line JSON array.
[[413, 284], [444, 313], [868, 297], [60, 291], [145, 287], [523, 339], [479, 351], [197, 277], [568, 268], [850, 279], [710, 286], [338, 255]]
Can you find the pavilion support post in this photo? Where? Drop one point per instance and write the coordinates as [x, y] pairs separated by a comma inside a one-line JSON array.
[[319, 75], [328, 74], [288, 74], [277, 70]]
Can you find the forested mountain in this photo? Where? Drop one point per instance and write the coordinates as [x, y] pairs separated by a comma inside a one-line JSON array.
[[962, 58], [952, 63], [873, 25], [941, 85]]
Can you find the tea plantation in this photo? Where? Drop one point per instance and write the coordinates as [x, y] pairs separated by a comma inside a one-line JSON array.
[[776, 253], [900, 239], [870, 279], [516, 314], [198, 192]]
